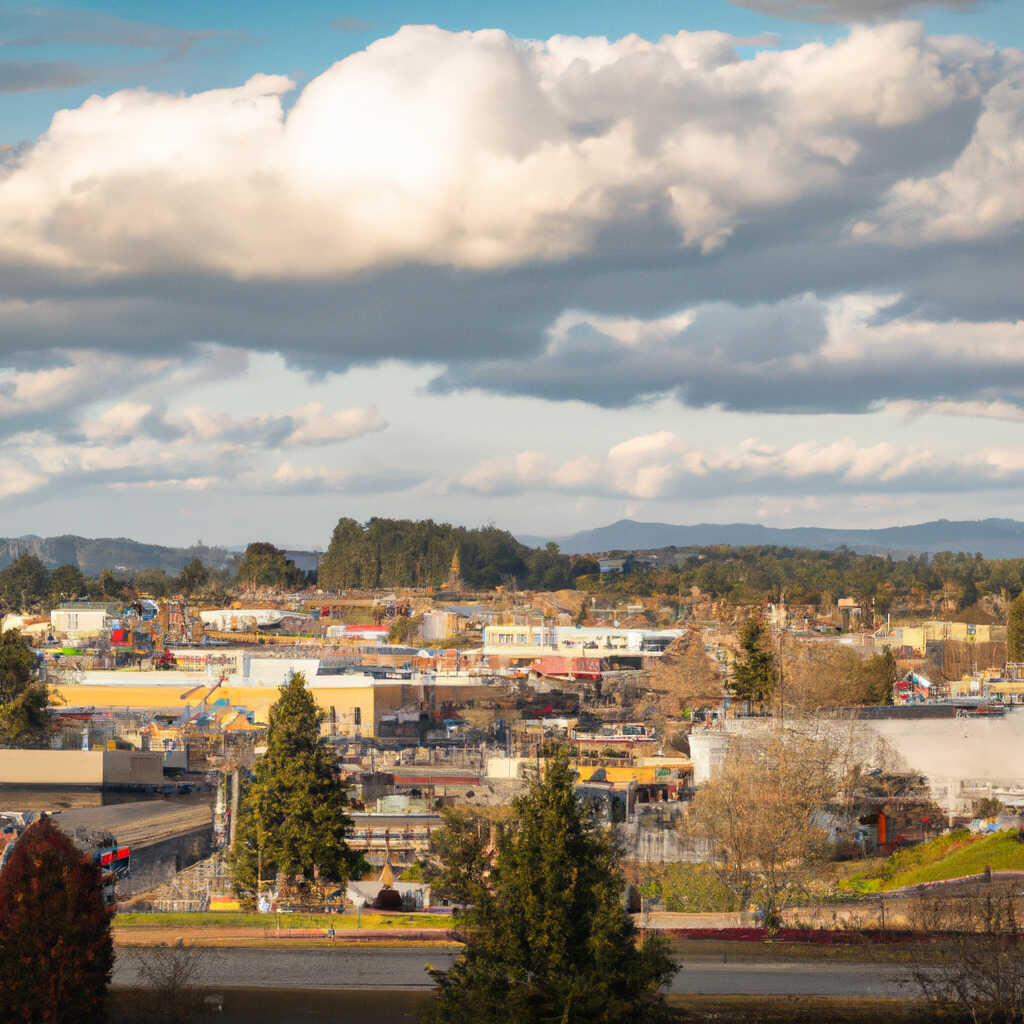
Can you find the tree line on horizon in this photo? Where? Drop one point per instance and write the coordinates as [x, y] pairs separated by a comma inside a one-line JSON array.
[[420, 553], [27, 584], [760, 574], [385, 553]]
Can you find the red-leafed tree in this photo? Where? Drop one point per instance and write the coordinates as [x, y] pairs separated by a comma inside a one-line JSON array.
[[56, 952]]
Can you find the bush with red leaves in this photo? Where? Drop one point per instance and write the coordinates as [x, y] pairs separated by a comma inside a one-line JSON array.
[[56, 952]]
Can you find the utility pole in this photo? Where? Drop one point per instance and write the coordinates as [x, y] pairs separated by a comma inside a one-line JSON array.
[[782, 692], [235, 794]]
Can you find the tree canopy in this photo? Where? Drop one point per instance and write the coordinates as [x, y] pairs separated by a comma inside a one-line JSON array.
[[24, 719], [264, 565], [754, 674], [25, 583], [67, 583], [56, 953], [293, 818], [771, 573], [1015, 629], [547, 938], [407, 553], [759, 815], [459, 859]]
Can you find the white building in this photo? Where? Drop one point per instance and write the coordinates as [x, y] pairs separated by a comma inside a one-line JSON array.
[[242, 620], [80, 618], [576, 641]]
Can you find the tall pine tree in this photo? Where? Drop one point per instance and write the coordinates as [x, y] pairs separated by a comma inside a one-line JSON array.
[[293, 816], [753, 675], [24, 718], [56, 954], [548, 938], [1015, 629]]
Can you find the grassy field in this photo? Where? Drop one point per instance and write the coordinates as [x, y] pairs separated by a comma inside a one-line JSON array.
[[271, 922], [950, 856]]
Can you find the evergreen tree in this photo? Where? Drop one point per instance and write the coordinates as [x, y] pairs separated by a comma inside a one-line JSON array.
[[293, 817], [193, 576], [24, 583], [458, 862], [24, 719], [266, 565], [56, 954], [1015, 629], [879, 677], [66, 583], [548, 938], [753, 676]]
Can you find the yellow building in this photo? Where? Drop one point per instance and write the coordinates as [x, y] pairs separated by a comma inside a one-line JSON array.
[[353, 703], [919, 636], [646, 772]]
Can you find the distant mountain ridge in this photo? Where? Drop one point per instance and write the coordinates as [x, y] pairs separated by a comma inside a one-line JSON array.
[[993, 538], [93, 555]]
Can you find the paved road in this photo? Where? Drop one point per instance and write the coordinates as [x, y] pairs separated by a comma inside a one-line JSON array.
[[397, 969], [786, 977]]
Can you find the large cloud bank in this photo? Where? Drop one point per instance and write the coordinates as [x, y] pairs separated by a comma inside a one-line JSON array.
[[477, 150], [834, 227]]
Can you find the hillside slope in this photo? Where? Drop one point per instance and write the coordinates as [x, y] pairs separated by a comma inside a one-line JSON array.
[[955, 855], [93, 555]]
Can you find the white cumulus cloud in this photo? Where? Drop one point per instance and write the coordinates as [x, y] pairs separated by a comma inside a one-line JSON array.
[[477, 150], [663, 465]]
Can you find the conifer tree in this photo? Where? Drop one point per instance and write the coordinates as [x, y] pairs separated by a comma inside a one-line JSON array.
[[548, 938], [1015, 629], [754, 673], [56, 953], [24, 718], [293, 817]]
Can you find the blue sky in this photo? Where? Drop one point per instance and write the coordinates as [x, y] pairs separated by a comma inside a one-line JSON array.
[[242, 39], [314, 262]]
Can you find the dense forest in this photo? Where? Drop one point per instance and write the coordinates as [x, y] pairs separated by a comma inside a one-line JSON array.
[[752, 575], [404, 553]]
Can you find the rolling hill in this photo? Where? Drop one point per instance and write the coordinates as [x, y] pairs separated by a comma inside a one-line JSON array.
[[93, 555], [994, 538]]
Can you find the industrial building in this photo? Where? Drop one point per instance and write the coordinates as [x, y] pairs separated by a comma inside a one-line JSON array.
[[626, 645], [353, 699]]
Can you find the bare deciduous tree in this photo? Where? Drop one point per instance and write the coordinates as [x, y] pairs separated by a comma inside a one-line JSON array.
[[761, 817], [975, 966], [170, 983]]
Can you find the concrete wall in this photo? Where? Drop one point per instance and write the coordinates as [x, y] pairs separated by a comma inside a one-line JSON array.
[[51, 767], [80, 767], [153, 865], [131, 767], [665, 845], [503, 767], [707, 749]]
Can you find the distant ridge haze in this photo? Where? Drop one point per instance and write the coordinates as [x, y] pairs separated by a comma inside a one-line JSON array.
[[993, 538], [94, 554]]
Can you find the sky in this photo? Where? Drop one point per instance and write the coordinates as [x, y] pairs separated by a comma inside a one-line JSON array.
[[539, 265]]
